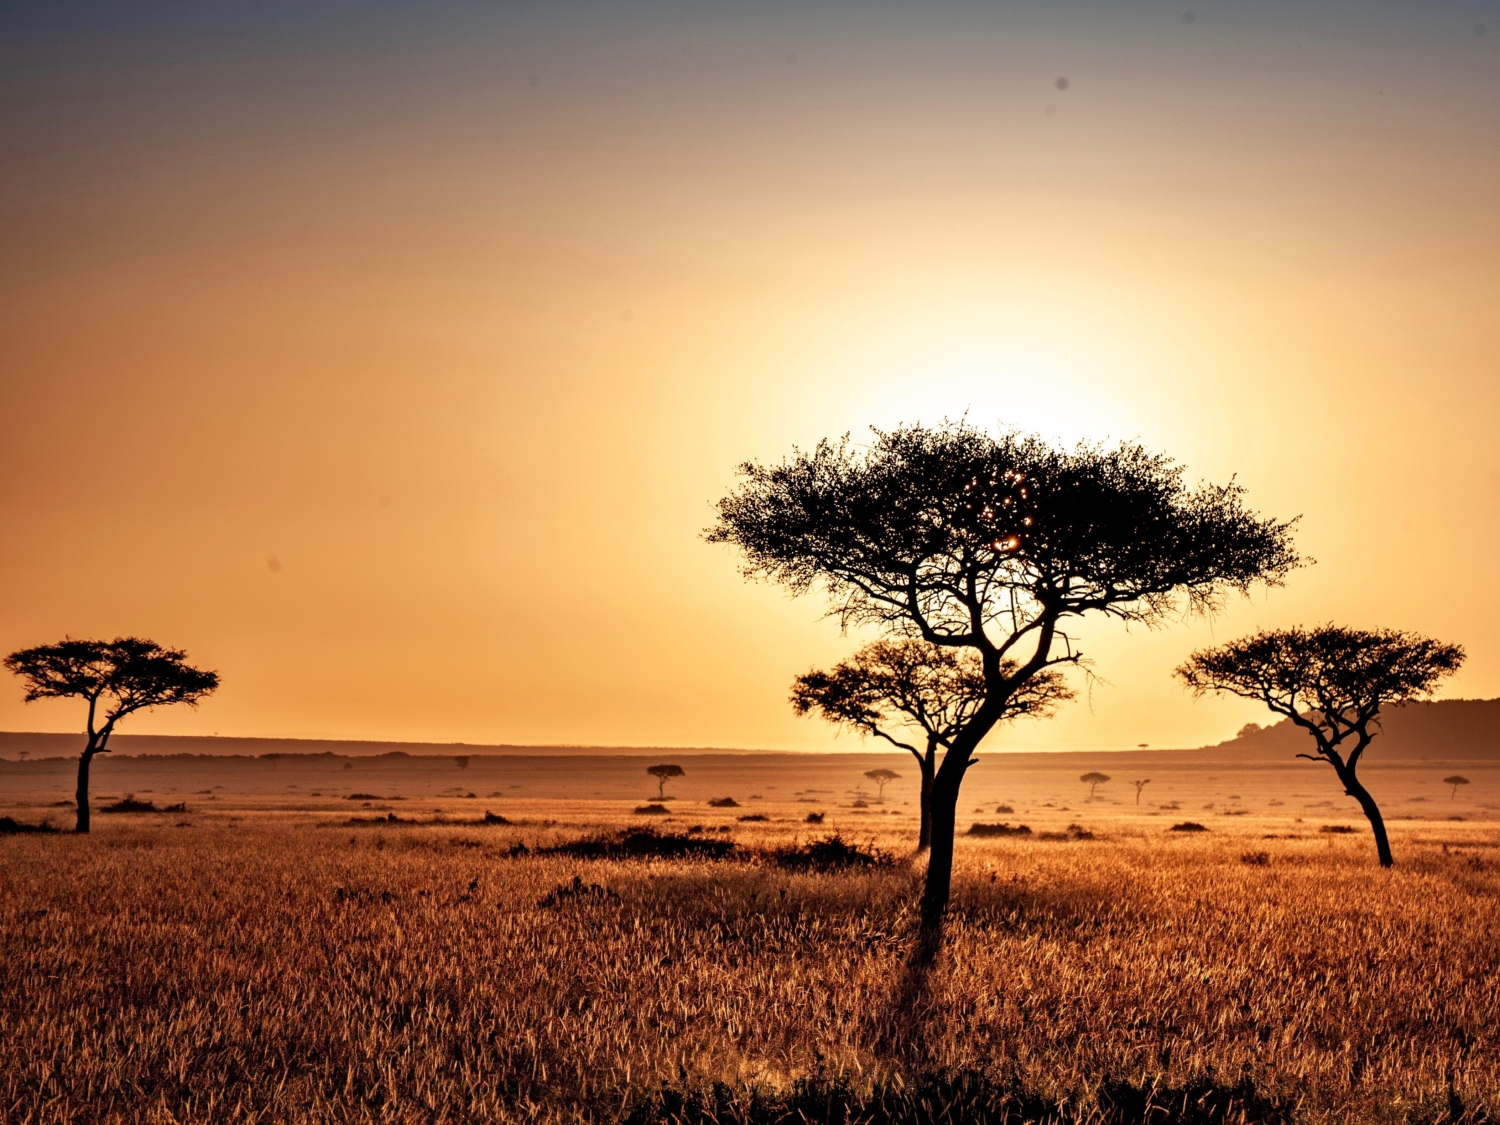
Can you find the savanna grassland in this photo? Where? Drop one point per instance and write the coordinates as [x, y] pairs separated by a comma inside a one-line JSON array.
[[280, 970]]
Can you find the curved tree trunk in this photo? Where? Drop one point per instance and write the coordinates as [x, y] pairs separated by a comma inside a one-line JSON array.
[[82, 795], [1372, 813]]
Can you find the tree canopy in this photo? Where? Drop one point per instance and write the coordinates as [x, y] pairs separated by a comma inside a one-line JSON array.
[[116, 678], [1332, 682], [994, 544]]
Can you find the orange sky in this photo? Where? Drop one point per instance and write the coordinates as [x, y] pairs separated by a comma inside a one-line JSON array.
[[390, 359]]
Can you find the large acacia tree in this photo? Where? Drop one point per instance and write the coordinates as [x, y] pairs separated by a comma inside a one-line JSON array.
[[994, 544], [1331, 682], [889, 685], [116, 678]]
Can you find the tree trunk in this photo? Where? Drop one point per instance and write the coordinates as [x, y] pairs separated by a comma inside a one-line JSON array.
[[82, 795], [944, 817], [924, 834], [1372, 813]]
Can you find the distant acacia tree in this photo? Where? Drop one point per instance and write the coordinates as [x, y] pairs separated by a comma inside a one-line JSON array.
[[1093, 779], [663, 774], [116, 678], [462, 761], [1455, 781], [886, 685], [993, 544], [882, 777], [1139, 785], [1331, 682]]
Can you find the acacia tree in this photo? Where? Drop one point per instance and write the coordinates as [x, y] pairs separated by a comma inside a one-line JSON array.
[[1455, 781], [1331, 682], [1093, 779], [993, 544], [1139, 785], [117, 678], [882, 777], [663, 773], [907, 682]]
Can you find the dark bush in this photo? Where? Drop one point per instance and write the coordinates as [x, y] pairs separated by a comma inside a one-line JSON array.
[[11, 827], [130, 805], [833, 853], [814, 818], [642, 843], [1188, 826], [493, 818], [723, 803], [755, 817], [1256, 859], [1004, 810], [999, 830], [653, 809], [1338, 829]]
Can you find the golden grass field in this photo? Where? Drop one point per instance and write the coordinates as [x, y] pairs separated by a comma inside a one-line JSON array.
[[268, 966]]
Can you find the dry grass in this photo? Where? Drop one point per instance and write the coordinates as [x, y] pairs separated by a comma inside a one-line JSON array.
[[274, 972]]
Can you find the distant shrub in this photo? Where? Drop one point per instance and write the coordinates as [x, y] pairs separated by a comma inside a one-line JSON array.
[[814, 818], [128, 804], [723, 803], [999, 830], [1338, 829], [12, 827], [493, 818], [832, 853], [643, 843], [368, 821], [1188, 826], [653, 809], [1004, 810], [1256, 859], [753, 817], [860, 804]]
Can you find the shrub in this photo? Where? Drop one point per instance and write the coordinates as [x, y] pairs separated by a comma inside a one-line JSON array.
[[753, 817], [1256, 859], [128, 804], [653, 809], [12, 827], [723, 803], [814, 818], [999, 830], [643, 843], [493, 818], [833, 853], [1337, 829], [1188, 826], [576, 891]]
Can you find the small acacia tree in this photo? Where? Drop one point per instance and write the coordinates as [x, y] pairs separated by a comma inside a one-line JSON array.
[[1331, 682], [886, 685], [117, 678], [663, 774], [1093, 779], [1455, 781], [882, 777], [993, 544], [1139, 785]]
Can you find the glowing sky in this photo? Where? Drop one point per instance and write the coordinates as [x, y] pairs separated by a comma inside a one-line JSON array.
[[390, 358]]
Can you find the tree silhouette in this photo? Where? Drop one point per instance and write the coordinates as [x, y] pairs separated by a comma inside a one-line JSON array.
[[995, 545], [886, 685], [1093, 779], [882, 777], [1455, 781], [1139, 785], [662, 774], [117, 678], [1331, 682]]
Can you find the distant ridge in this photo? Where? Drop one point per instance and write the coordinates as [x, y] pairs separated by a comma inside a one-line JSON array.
[[1450, 729]]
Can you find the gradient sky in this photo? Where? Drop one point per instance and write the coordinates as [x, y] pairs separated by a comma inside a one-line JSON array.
[[390, 358]]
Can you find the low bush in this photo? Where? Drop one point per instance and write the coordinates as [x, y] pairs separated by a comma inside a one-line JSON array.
[[723, 803], [11, 827], [1188, 826], [1338, 829], [653, 809], [832, 853], [999, 830]]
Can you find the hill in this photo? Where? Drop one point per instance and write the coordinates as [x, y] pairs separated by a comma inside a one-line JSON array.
[[1448, 730]]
